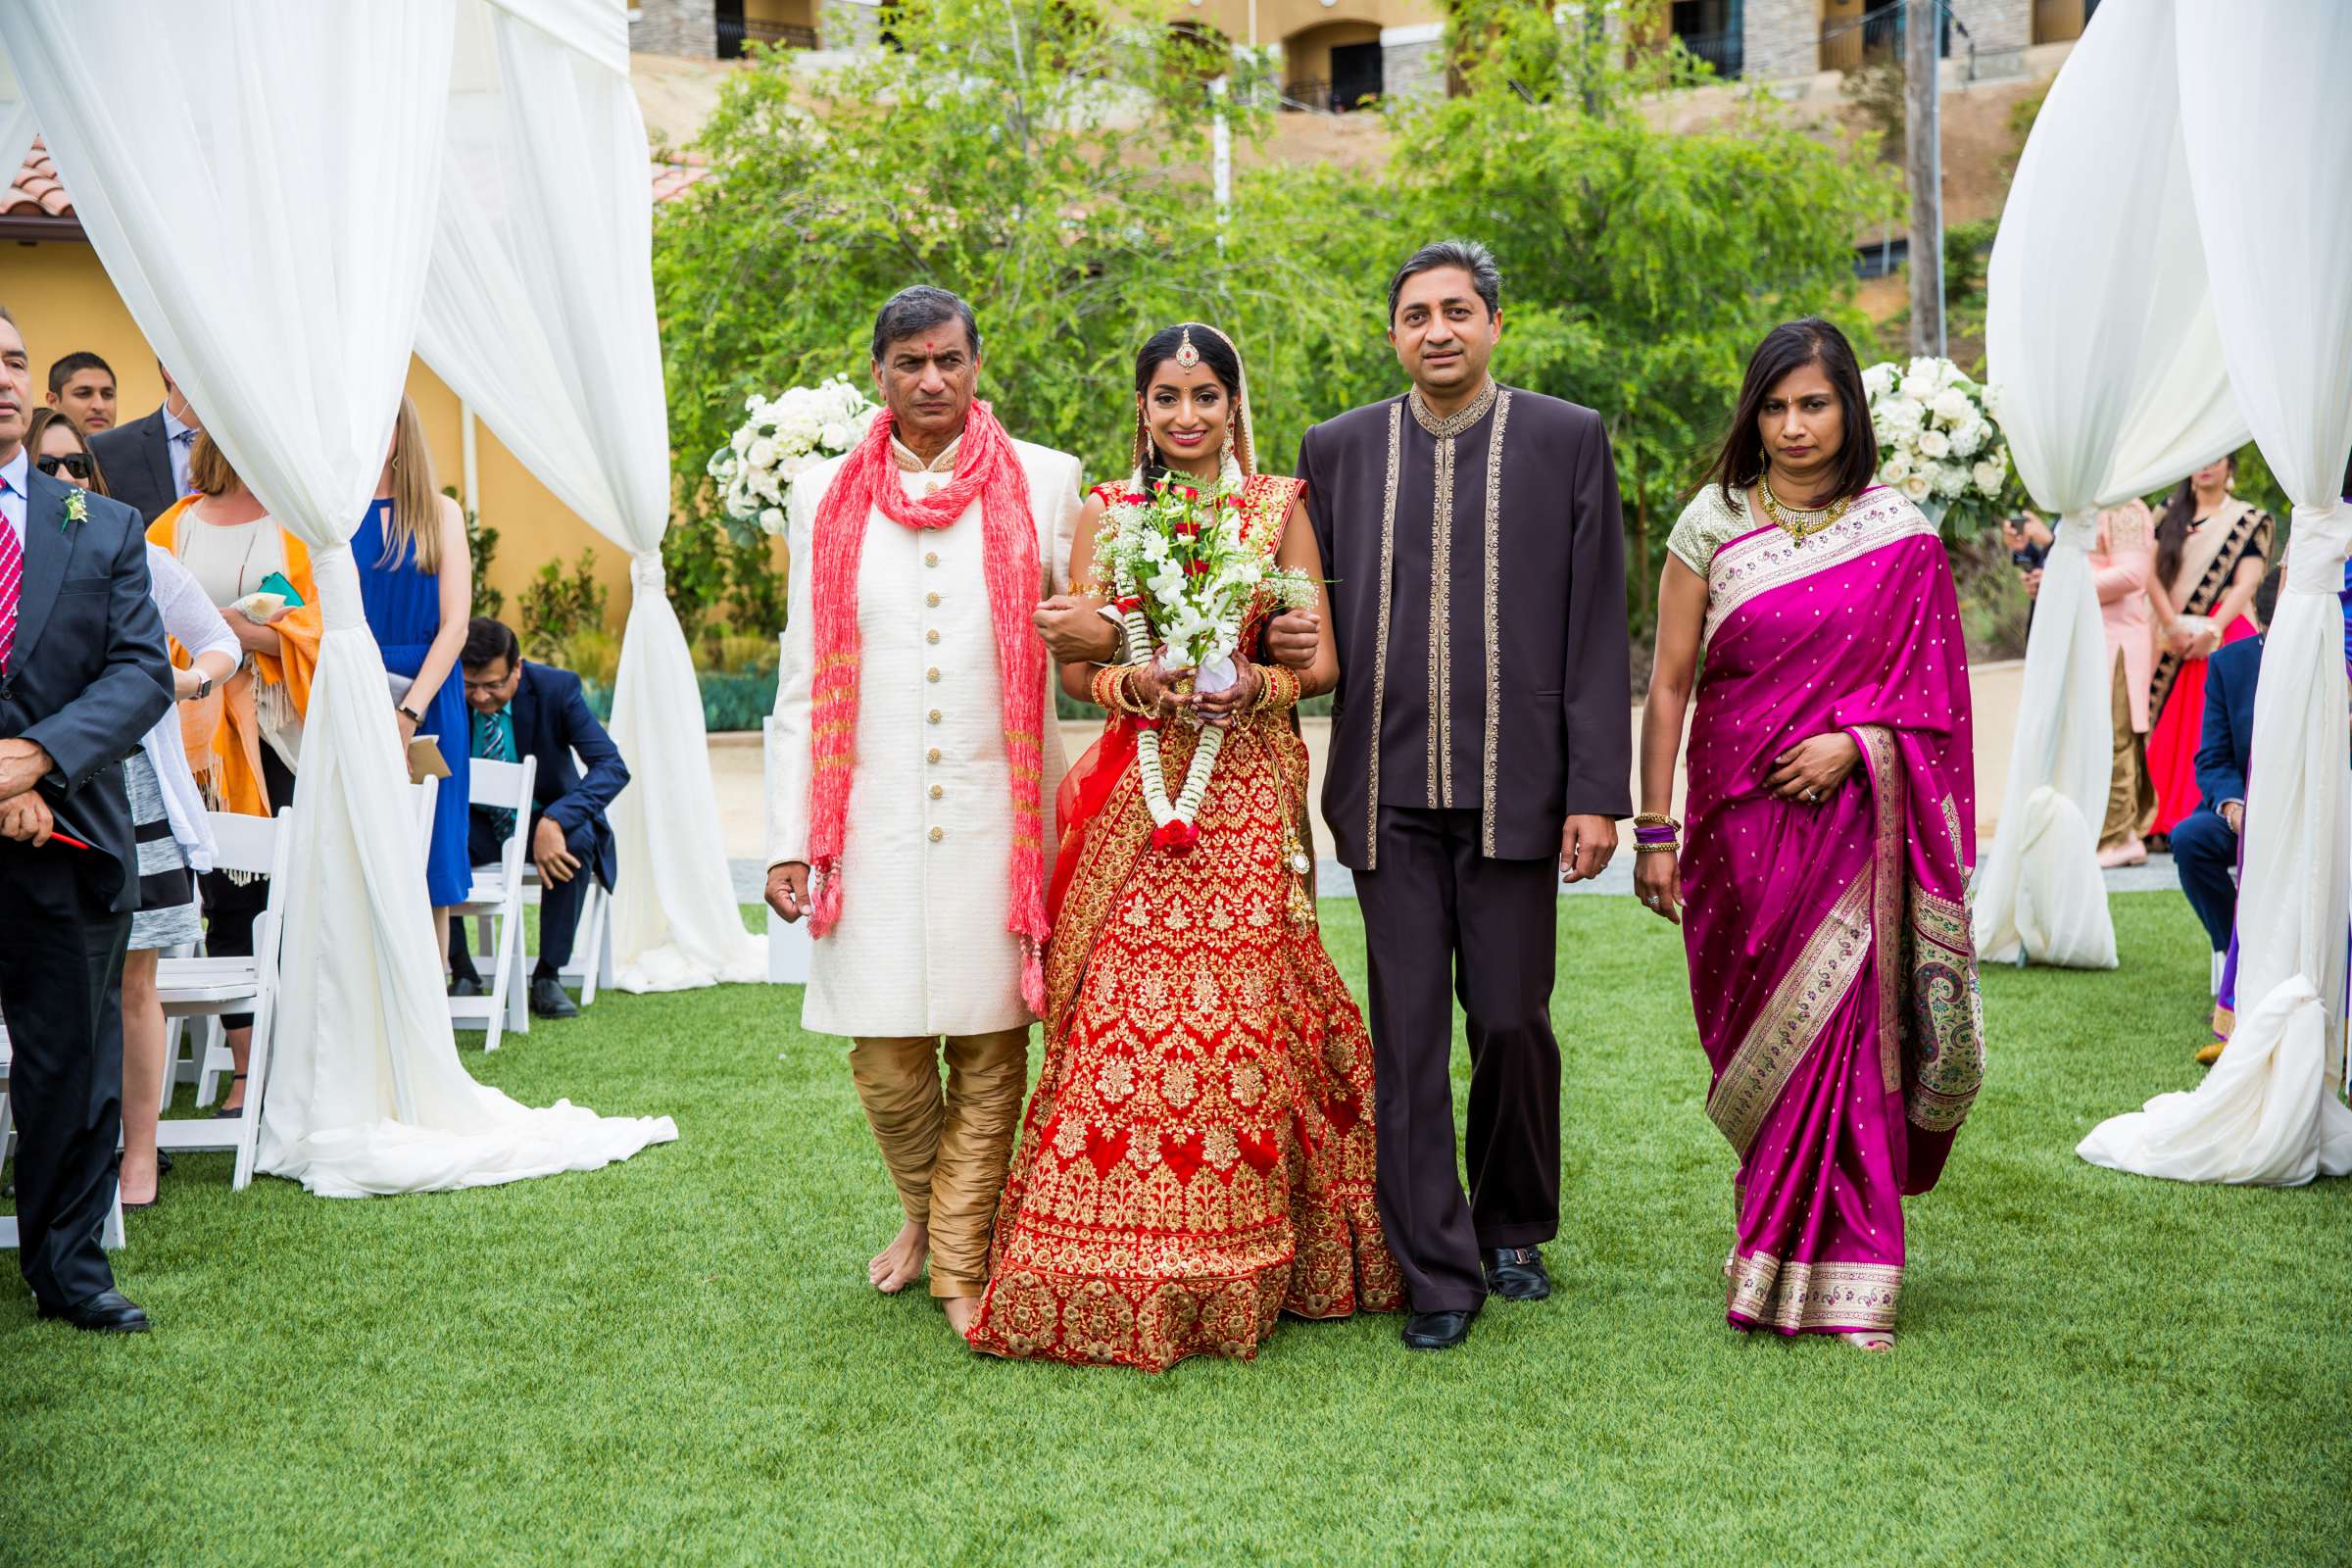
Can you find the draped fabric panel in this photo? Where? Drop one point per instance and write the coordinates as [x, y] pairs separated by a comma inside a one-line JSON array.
[[2100, 339], [539, 310], [2272, 178], [17, 129], [259, 177]]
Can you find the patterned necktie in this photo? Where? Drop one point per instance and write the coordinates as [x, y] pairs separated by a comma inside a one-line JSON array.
[[490, 744], [12, 581]]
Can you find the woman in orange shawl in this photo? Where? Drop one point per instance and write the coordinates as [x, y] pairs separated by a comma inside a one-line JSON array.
[[244, 738]]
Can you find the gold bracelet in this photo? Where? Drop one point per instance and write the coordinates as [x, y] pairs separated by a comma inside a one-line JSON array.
[[1657, 848], [1656, 819]]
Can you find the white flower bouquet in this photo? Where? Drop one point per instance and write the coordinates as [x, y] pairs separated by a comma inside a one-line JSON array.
[[1184, 580], [780, 439], [1939, 440]]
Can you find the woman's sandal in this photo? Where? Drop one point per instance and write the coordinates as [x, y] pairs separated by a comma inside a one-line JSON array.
[[1875, 1342], [225, 1114]]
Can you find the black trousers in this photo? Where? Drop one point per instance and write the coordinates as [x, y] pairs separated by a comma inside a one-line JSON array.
[[1440, 923], [2205, 854], [232, 907], [60, 992], [558, 902]]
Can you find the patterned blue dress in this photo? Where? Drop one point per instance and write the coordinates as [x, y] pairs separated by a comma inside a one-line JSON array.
[[404, 612]]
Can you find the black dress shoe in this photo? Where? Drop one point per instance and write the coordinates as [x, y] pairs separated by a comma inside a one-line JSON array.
[[107, 1312], [1517, 1273], [1437, 1331], [466, 985], [549, 1000]]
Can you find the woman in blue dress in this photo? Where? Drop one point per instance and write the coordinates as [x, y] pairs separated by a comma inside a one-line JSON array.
[[417, 583]]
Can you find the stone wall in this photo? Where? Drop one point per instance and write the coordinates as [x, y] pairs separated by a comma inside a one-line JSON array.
[[1780, 38], [848, 24], [688, 28], [1412, 62], [2000, 30]]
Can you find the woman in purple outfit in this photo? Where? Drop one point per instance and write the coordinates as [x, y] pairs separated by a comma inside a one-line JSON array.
[[1831, 825]]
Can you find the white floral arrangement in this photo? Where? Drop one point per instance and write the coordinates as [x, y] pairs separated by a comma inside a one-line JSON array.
[[1183, 581], [1939, 439], [780, 439]]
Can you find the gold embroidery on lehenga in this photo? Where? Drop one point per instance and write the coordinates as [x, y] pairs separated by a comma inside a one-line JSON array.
[[1784, 1032], [1795, 1297], [1493, 626], [1379, 637]]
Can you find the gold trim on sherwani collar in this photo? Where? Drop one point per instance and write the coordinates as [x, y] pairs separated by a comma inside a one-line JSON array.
[[1487, 806], [1460, 419], [902, 456], [1784, 1032], [1380, 640]]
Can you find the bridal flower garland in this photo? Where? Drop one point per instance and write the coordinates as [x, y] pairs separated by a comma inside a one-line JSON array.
[[1184, 580]]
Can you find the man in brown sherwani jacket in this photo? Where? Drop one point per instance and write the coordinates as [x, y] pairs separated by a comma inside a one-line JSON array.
[[1480, 745]]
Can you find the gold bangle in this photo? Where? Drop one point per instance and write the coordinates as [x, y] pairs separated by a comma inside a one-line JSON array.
[[1656, 819], [1657, 848]]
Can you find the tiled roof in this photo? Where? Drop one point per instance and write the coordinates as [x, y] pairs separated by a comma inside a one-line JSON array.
[[35, 191]]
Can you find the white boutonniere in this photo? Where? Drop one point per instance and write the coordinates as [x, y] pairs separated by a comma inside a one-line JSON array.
[[77, 510]]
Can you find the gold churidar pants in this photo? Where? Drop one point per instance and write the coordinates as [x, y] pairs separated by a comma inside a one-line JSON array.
[[946, 1152], [2131, 787]]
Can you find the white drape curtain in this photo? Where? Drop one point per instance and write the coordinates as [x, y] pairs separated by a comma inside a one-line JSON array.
[[539, 310], [259, 177], [2273, 175], [17, 129], [2101, 339]]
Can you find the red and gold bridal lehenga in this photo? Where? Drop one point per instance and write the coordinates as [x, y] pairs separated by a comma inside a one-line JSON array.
[[1196, 1158]]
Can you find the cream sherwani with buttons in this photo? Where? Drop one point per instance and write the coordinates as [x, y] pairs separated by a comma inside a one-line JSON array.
[[921, 949]]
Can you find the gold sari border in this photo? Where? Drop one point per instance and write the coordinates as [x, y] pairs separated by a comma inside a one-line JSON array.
[[1785, 1033], [1814, 1298]]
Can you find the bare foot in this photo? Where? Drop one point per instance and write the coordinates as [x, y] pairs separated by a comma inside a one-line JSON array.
[[136, 1181], [901, 1263], [1879, 1341], [962, 1312]]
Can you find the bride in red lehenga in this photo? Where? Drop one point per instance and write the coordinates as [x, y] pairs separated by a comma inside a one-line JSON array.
[[1196, 1158]]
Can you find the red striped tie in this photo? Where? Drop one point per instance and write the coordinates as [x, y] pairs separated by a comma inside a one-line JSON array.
[[12, 583]]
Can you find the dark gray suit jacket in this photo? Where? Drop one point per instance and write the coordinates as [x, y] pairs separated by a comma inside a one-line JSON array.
[[136, 459], [89, 676]]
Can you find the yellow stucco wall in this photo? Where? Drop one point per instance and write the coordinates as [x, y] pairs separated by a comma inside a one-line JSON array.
[[63, 303]]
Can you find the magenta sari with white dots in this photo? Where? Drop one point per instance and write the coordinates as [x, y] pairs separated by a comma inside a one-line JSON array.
[[1831, 966]]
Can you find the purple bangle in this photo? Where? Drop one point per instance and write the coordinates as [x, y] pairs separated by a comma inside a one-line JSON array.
[[1653, 835]]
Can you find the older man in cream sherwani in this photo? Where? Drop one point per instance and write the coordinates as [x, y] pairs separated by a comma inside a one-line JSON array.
[[912, 672]]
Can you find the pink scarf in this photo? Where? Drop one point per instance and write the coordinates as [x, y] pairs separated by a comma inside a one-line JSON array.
[[986, 468]]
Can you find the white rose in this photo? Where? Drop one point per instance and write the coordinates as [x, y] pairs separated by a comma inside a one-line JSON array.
[[1987, 475], [1992, 401], [1905, 413], [1879, 379], [794, 467], [1954, 408], [836, 435], [1921, 383], [1934, 443], [762, 453], [741, 440], [772, 519], [1916, 487], [1896, 469]]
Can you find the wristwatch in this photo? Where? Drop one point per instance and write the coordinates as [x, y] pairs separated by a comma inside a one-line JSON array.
[[407, 712], [204, 688]]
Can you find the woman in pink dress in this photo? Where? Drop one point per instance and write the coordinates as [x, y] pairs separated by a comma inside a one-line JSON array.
[[1832, 821]]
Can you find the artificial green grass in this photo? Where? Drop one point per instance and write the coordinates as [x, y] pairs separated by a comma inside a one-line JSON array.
[[679, 1359]]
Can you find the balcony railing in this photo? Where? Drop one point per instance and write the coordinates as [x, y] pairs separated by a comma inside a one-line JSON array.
[[1723, 50], [734, 34], [1315, 93]]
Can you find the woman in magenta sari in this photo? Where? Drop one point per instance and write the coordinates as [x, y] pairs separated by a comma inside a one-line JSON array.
[[1832, 825]]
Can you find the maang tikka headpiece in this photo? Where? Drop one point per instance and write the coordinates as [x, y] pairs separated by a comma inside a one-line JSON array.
[[1187, 356]]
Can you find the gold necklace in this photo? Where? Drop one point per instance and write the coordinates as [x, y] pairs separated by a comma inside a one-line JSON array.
[[1798, 522]]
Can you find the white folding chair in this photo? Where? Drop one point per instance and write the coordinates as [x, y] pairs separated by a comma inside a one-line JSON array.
[[210, 987], [591, 962], [495, 905], [109, 1233]]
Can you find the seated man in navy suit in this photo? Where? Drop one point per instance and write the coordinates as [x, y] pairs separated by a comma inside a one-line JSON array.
[[523, 709], [2205, 843]]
